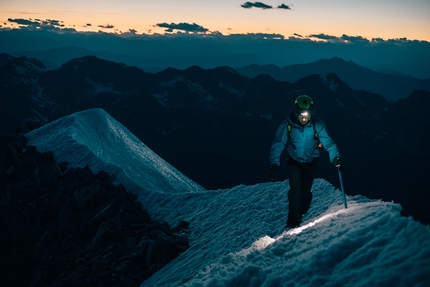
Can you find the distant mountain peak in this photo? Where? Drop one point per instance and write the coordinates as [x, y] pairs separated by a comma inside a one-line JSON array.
[[22, 64], [4, 58], [391, 86]]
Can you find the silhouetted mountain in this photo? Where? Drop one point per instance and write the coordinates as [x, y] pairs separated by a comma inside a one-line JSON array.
[[391, 86], [20, 91], [149, 60], [216, 126], [54, 58]]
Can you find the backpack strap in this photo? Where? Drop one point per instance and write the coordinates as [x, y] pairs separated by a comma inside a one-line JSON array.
[[314, 123], [316, 136], [289, 127]]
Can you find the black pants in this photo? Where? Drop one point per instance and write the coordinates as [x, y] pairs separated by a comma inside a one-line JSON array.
[[301, 177]]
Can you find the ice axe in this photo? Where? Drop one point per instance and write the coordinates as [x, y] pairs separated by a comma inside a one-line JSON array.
[[342, 188]]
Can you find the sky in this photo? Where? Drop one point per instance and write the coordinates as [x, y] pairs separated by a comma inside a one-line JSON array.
[[383, 35], [386, 19], [236, 235]]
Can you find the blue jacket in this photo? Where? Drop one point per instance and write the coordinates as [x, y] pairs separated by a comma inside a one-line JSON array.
[[303, 145]]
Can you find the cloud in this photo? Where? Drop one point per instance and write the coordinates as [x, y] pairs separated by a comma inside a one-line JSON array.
[[334, 39], [106, 26], [185, 27], [23, 21], [257, 36], [354, 38], [37, 22], [283, 6], [47, 24], [249, 5], [323, 37], [56, 23]]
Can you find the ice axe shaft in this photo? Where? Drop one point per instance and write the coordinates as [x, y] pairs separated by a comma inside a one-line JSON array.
[[342, 189]]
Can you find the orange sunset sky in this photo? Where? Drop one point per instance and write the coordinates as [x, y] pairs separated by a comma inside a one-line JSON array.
[[366, 18]]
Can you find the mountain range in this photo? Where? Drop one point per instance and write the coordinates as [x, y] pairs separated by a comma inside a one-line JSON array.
[[390, 84], [216, 125]]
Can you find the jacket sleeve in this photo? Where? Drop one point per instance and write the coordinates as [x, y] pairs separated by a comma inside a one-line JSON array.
[[327, 142], [278, 143]]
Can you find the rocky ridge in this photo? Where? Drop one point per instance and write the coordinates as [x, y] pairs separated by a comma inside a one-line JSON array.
[[72, 227]]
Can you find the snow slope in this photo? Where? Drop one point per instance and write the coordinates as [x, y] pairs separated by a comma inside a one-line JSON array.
[[236, 235], [94, 138]]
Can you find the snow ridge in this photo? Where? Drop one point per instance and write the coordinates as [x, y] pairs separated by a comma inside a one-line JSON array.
[[94, 138], [236, 235]]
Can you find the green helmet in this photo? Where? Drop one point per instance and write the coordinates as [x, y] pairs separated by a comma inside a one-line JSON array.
[[303, 104]]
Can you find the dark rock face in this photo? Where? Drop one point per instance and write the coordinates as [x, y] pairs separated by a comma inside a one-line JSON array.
[[69, 227]]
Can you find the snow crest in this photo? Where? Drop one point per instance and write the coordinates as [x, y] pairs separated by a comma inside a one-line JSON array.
[[94, 138], [238, 239]]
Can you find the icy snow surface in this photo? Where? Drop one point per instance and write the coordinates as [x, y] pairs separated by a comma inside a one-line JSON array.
[[236, 235], [96, 139]]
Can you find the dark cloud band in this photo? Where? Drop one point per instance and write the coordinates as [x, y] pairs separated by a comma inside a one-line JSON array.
[[249, 5], [37, 22], [283, 6], [186, 27], [106, 26]]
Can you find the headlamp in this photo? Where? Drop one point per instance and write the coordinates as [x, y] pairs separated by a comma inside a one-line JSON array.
[[304, 114]]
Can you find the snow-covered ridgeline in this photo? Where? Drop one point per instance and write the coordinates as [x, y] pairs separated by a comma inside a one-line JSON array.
[[238, 240], [236, 235], [94, 138]]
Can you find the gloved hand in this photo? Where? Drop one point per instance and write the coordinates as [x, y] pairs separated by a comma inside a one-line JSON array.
[[338, 163], [272, 173]]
